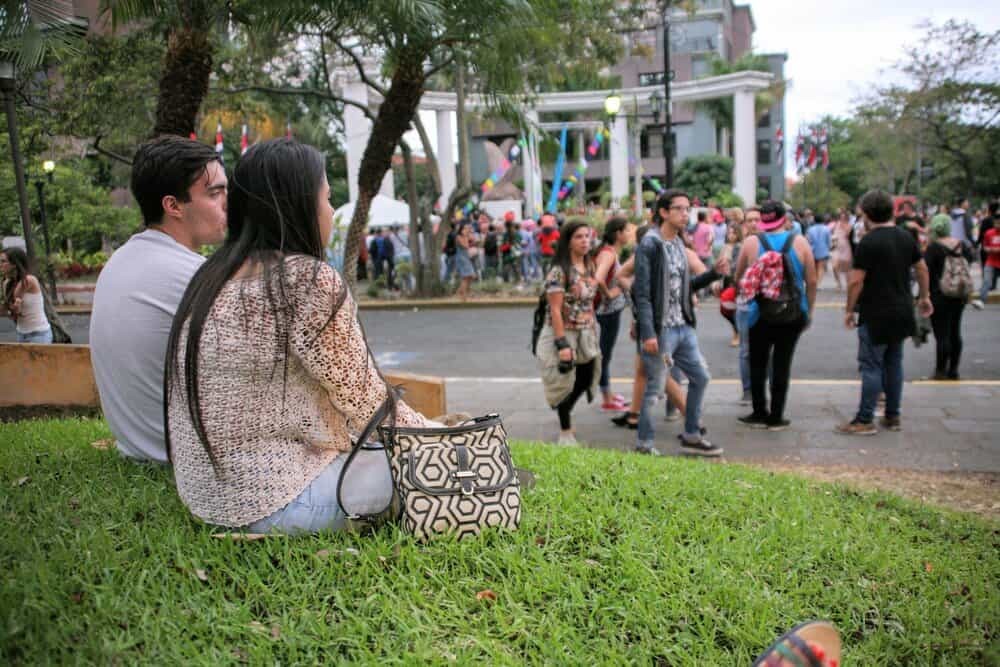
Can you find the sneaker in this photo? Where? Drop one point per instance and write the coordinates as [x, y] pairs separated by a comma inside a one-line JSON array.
[[855, 427], [780, 425], [623, 419], [978, 304], [648, 451], [701, 448], [891, 424], [673, 415], [747, 398], [567, 440], [613, 405], [754, 420]]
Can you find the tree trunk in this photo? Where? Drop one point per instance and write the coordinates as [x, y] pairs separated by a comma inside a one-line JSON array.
[[393, 119], [411, 197], [464, 166], [187, 67]]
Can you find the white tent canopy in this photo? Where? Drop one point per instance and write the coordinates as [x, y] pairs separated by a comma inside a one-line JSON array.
[[384, 212]]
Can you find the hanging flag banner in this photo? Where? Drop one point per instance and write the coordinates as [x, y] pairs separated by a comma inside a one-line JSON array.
[[581, 169], [779, 146], [800, 151], [218, 138], [824, 148], [813, 152], [557, 173]]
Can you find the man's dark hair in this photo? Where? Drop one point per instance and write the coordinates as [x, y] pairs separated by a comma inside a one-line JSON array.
[[167, 165], [877, 206], [702, 216], [993, 207], [666, 199]]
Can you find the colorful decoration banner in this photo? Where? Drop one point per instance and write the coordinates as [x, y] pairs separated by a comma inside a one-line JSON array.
[[581, 169], [557, 173]]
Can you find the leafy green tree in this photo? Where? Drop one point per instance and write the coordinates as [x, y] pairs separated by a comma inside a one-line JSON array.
[[817, 191], [705, 176]]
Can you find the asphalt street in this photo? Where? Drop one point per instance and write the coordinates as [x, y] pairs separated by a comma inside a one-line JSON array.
[[493, 343]]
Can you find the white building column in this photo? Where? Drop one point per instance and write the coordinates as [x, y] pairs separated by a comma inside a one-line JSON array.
[[445, 155], [529, 158], [744, 145], [637, 173], [357, 129], [619, 159]]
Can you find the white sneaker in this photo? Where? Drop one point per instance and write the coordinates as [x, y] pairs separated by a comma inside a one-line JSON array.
[[978, 304], [567, 440]]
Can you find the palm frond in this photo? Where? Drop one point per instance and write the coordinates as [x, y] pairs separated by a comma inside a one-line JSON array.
[[33, 30]]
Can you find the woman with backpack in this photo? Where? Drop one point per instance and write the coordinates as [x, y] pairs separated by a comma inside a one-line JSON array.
[[611, 301], [567, 346], [948, 261], [777, 278]]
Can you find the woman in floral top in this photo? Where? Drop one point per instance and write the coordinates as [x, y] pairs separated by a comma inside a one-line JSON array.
[[568, 350]]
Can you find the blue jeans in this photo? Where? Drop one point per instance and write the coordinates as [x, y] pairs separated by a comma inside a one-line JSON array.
[[35, 337], [367, 490], [881, 369], [681, 344], [989, 276], [743, 327]]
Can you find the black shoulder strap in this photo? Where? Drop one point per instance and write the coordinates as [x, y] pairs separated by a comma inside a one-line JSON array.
[[788, 243], [762, 238]]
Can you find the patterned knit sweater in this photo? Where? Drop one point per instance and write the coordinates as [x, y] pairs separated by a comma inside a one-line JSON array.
[[272, 433]]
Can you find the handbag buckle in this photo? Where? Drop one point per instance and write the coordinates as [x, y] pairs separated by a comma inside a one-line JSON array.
[[462, 474]]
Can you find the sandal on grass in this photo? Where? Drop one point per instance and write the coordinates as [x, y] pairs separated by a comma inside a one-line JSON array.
[[810, 644]]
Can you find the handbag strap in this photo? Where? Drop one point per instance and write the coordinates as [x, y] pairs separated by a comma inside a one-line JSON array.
[[387, 410]]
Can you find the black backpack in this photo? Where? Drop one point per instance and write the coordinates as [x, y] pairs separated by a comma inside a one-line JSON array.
[[490, 245], [787, 308], [449, 245], [538, 322]]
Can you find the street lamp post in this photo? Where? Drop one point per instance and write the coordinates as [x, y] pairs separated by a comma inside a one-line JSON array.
[[7, 90], [668, 149], [48, 167]]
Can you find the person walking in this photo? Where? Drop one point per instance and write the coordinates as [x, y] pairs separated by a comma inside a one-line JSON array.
[[464, 243], [666, 275], [568, 349], [23, 299], [727, 295], [990, 235], [947, 262], [764, 286], [880, 306], [819, 238], [841, 248], [548, 237], [611, 301]]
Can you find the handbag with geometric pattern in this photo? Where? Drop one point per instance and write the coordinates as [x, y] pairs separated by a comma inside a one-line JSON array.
[[452, 480]]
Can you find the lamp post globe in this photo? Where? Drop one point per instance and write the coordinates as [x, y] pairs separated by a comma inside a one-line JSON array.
[[612, 104]]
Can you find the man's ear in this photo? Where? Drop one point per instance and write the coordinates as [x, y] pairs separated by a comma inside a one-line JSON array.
[[171, 207]]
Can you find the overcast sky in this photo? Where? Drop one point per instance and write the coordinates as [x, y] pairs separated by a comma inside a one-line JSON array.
[[837, 48]]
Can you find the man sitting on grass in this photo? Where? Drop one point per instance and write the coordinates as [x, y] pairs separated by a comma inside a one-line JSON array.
[[180, 186]]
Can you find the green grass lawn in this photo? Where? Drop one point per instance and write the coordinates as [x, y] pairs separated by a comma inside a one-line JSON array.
[[620, 559]]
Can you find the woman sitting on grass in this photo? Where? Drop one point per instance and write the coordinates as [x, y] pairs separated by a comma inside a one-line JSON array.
[[267, 368]]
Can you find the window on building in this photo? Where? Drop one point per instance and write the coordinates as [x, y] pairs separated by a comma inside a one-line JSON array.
[[764, 183], [764, 151], [765, 119], [651, 79]]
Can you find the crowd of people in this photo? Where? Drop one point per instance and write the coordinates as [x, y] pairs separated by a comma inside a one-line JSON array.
[[904, 277]]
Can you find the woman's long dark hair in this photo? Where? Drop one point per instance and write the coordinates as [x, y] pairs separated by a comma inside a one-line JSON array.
[[615, 226], [564, 258], [272, 215], [22, 269]]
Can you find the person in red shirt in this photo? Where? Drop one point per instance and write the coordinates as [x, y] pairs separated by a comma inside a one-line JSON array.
[[991, 250], [548, 237]]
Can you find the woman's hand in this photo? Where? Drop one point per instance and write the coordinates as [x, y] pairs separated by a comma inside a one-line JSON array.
[[566, 354]]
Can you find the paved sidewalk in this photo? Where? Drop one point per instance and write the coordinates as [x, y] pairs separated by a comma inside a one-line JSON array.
[[946, 426]]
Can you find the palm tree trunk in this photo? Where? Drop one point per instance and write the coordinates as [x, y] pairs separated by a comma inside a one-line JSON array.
[[187, 67], [393, 119]]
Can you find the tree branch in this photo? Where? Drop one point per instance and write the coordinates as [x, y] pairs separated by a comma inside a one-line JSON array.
[[440, 66], [107, 153], [359, 66], [308, 92]]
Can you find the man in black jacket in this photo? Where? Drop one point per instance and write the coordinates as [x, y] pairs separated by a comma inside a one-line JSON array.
[[666, 276]]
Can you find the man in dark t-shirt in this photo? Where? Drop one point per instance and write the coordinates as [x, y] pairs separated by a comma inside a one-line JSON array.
[[879, 290], [910, 221]]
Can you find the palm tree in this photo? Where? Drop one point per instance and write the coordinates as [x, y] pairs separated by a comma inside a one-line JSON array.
[[188, 27]]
